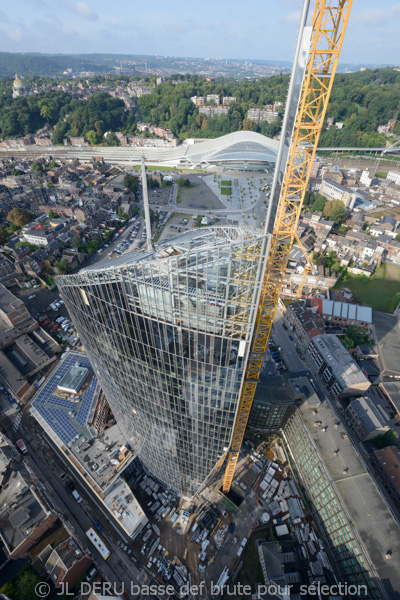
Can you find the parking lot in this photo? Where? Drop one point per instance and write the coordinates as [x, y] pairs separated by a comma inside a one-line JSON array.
[[50, 320], [178, 223], [42, 298]]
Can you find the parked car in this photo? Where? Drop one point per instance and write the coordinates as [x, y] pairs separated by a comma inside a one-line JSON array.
[[32, 296]]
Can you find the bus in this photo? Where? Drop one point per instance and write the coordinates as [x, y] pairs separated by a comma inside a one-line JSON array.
[[98, 543]]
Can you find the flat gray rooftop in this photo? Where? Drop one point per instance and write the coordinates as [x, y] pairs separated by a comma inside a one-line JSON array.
[[387, 329], [20, 510], [274, 389], [338, 359], [8, 302], [302, 387], [393, 391], [368, 512]]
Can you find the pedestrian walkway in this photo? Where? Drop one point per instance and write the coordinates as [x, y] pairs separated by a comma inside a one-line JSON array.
[[17, 422]]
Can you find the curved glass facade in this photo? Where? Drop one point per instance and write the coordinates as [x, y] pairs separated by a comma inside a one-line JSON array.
[[167, 333]]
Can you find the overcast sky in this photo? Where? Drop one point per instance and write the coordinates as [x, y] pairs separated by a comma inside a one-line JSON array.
[[260, 29]]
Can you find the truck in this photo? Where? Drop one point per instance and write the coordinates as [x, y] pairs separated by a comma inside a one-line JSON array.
[[77, 497], [21, 447]]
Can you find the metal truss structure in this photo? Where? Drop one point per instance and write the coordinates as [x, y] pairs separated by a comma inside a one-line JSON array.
[[329, 24]]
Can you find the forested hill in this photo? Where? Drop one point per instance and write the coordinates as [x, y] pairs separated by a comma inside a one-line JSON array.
[[361, 101], [33, 65]]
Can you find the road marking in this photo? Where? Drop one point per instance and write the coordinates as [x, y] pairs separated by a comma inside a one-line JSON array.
[[17, 422]]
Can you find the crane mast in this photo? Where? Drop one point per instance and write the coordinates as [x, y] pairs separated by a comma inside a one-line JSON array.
[[328, 27]]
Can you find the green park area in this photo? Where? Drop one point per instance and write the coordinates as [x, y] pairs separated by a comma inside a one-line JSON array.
[[226, 187], [381, 291], [155, 168]]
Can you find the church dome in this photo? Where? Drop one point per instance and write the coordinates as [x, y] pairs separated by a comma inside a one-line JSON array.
[[19, 83]]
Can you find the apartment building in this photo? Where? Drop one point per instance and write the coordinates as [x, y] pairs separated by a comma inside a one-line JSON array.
[[365, 419], [394, 176], [342, 376], [259, 115], [213, 111], [306, 323], [387, 467], [227, 100], [213, 98], [335, 191], [198, 101]]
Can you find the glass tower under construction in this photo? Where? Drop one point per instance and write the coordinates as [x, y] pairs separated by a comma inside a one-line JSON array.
[[168, 333]]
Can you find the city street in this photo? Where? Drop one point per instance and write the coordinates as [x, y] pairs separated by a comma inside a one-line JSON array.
[[47, 466]]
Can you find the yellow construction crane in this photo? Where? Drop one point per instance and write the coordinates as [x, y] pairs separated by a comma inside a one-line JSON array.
[[309, 266], [328, 25]]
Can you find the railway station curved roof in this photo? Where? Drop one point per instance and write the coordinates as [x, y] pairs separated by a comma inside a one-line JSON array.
[[245, 147]]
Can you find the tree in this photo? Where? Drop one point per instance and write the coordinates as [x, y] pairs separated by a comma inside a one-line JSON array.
[[111, 139], [93, 137], [152, 183], [19, 217], [397, 238], [315, 257], [335, 211], [349, 343], [3, 235], [319, 203], [36, 167], [395, 302], [131, 182], [198, 220], [387, 439], [183, 182], [76, 242], [52, 165], [63, 267], [53, 215], [26, 586], [9, 590], [16, 172], [309, 198]]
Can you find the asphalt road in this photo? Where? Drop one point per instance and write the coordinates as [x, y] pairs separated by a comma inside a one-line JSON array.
[[288, 351]]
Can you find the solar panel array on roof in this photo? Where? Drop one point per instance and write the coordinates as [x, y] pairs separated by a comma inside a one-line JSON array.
[[86, 403], [55, 410]]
